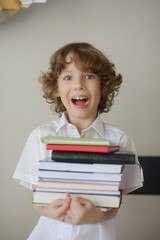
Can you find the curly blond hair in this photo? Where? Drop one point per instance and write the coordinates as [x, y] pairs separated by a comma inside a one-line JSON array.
[[88, 59]]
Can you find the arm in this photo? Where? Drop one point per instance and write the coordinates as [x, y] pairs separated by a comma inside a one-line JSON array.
[[56, 210], [83, 211]]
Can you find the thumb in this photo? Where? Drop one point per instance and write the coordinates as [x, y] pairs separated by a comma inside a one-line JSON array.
[[66, 205], [67, 201], [68, 195]]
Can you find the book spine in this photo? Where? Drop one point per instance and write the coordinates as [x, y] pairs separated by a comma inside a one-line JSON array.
[[86, 181], [74, 141], [103, 168], [98, 200], [79, 191], [90, 157], [79, 175], [82, 148], [78, 185]]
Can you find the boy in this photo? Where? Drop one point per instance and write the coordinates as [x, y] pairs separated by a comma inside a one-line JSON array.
[[82, 83]]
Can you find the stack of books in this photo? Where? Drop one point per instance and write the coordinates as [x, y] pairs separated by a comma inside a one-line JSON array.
[[89, 168]]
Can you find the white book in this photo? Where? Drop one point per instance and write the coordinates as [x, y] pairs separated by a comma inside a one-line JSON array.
[[83, 185], [79, 181], [48, 164], [45, 198], [79, 175], [83, 191]]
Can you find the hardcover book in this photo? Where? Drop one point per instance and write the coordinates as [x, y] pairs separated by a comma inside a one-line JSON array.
[[79, 175], [49, 164], [79, 191], [84, 185], [74, 141], [90, 157], [45, 198], [82, 148]]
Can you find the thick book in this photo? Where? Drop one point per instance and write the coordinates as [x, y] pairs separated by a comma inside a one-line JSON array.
[[82, 148], [45, 198], [79, 175], [79, 185], [90, 157], [74, 141], [49, 164]]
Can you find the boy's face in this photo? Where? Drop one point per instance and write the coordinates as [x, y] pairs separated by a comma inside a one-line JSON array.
[[80, 93]]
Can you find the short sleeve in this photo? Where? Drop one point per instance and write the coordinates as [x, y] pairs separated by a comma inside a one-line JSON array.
[[26, 172], [132, 177]]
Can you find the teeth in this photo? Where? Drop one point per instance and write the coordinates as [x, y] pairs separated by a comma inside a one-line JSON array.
[[79, 98]]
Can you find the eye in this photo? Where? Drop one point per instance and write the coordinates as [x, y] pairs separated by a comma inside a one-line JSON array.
[[67, 78], [89, 76]]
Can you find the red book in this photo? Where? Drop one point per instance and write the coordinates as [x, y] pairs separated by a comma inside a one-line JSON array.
[[82, 148]]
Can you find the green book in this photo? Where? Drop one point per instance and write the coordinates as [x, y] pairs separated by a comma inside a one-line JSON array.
[[74, 141], [94, 157]]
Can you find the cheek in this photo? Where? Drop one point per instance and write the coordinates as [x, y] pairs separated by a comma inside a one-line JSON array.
[[98, 90], [99, 94], [59, 90], [62, 95]]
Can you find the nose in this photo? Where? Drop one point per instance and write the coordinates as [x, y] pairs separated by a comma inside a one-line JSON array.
[[79, 83]]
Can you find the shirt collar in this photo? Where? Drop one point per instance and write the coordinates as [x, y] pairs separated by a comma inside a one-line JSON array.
[[62, 121], [97, 125]]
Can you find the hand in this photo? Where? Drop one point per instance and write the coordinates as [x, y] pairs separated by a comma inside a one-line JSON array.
[[82, 211], [56, 209]]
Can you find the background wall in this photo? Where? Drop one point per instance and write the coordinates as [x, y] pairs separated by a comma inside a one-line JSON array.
[[128, 33]]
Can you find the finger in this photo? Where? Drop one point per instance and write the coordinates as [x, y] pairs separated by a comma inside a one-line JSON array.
[[68, 195], [68, 220], [81, 201], [57, 202], [63, 209], [70, 213]]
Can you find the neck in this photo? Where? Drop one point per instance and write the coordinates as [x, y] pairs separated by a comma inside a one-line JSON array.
[[81, 124]]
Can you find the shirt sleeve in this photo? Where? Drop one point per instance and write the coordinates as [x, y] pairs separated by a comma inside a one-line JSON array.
[[26, 172], [132, 177]]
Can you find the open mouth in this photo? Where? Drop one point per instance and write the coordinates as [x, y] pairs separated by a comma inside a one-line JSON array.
[[80, 101]]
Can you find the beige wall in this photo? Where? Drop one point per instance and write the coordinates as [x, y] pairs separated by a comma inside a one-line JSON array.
[[128, 33]]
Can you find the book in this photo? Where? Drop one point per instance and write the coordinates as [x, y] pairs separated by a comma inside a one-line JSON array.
[[82, 148], [74, 141], [79, 181], [82, 185], [90, 157], [45, 198], [79, 191], [79, 175], [49, 164]]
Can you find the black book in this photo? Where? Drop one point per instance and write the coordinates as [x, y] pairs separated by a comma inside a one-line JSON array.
[[90, 157]]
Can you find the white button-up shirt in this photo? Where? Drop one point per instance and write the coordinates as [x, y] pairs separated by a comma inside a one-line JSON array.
[[26, 173]]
